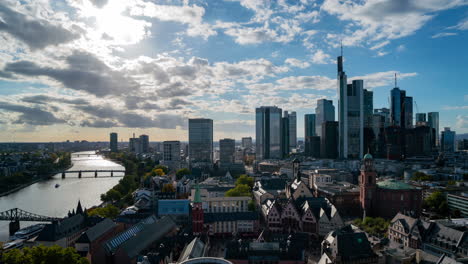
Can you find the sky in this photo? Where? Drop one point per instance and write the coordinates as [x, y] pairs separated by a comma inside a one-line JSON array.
[[80, 69]]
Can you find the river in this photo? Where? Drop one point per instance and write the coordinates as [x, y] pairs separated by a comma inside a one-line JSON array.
[[44, 199]]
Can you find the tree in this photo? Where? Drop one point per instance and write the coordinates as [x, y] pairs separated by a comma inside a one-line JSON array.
[[113, 195], [374, 226], [164, 168], [251, 205], [181, 173], [168, 188], [437, 202], [42, 254], [244, 179], [239, 190], [421, 176], [109, 211], [158, 172]]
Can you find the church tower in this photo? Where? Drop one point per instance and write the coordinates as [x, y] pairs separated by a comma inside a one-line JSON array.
[[197, 213], [367, 185]]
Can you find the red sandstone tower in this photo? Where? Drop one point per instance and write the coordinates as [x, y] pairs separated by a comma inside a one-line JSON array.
[[367, 185]]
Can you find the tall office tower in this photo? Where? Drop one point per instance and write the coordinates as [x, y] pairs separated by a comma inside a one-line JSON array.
[[385, 113], [325, 111], [134, 144], [433, 122], [268, 126], [396, 106], [171, 151], [227, 149], [309, 131], [113, 142], [351, 119], [329, 140], [420, 117], [292, 118], [246, 142], [408, 110], [144, 142], [447, 140], [285, 136], [368, 107], [201, 142]]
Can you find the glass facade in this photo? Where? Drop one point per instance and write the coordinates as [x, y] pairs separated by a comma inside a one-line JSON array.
[[227, 148], [433, 122], [325, 111], [268, 127], [447, 140], [201, 141], [113, 142]]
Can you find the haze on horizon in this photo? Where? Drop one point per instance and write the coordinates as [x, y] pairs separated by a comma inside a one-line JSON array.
[[77, 70]]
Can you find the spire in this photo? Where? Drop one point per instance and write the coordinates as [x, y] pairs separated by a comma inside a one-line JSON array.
[[197, 198], [341, 45], [79, 209], [395, 81]]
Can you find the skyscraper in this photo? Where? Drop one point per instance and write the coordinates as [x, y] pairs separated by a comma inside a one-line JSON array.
[[385, 113], [447, 140], [309, 131], [227, 149], [368, 107], [350, 115], [144, 143], [292, 130], [268, 126], [433, 122], [285, 136], [246, 142], [113, 142], [401, 108], [329, 140], [408, 111], [201, 142], [171, 151], [420, 117], [325, 111]]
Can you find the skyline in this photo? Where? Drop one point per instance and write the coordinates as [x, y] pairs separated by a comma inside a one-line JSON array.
[[168, 63]]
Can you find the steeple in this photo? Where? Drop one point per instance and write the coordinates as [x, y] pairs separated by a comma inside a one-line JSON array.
[[79, 209]]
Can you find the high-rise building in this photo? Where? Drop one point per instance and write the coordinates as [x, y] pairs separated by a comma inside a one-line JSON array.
[[171, 151], [227, 149], [113, 142], [200, 142], [368, 107], [309, 131], [246, 142], [447, 140], [144, 144], [385, 113], [433, 122], [312, 147], [408, 110], [329, 140], [268, 139], [420, 117], [325, 111], [285, 135], [292, 118], [134, 144]]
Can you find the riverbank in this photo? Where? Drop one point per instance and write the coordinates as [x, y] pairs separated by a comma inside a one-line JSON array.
[[36, 180]]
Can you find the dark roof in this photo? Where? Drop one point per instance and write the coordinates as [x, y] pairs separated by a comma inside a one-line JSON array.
[[273, 184], [62, 228], [233, 216], [350, 245], [96, 231], [141, 236], [194, 249]]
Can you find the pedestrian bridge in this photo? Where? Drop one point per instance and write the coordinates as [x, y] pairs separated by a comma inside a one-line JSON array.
[[93, 172], [16, 215]]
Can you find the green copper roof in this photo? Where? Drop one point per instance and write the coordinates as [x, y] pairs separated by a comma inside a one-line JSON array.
[[394, 185], [368, 156], [197, 194]]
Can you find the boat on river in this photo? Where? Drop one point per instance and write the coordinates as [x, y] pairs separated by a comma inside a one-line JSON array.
[[28, 232]]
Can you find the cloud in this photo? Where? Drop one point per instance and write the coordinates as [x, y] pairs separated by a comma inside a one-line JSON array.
[[85, 72], [31, 115], [462, 107], [45, 99], [186, 14], [401, 48], [99, 3], [376, 21], [462, 121], [321, 57], [444, 34], [37, 34], [462, 25], [297, 63], [380, 79]]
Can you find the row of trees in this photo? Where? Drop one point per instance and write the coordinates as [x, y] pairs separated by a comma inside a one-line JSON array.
[[243, 187], [42, 254]]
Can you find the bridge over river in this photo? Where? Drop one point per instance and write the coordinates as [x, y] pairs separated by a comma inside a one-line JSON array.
[[16, 215]]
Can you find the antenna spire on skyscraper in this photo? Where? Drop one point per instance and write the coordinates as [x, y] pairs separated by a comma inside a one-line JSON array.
[[341, 45], [395, 80]]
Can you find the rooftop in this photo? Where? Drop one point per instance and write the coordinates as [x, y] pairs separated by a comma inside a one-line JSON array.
[[394, 185]]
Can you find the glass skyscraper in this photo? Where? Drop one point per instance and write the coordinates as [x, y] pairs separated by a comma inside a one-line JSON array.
[[350, 115], [227, 148], [268, 126], [368, 107], [201, 142], [324, 111], [401, 108], [113, 142], [292, 118], [433, 122], [447, 140], [309, 132]]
